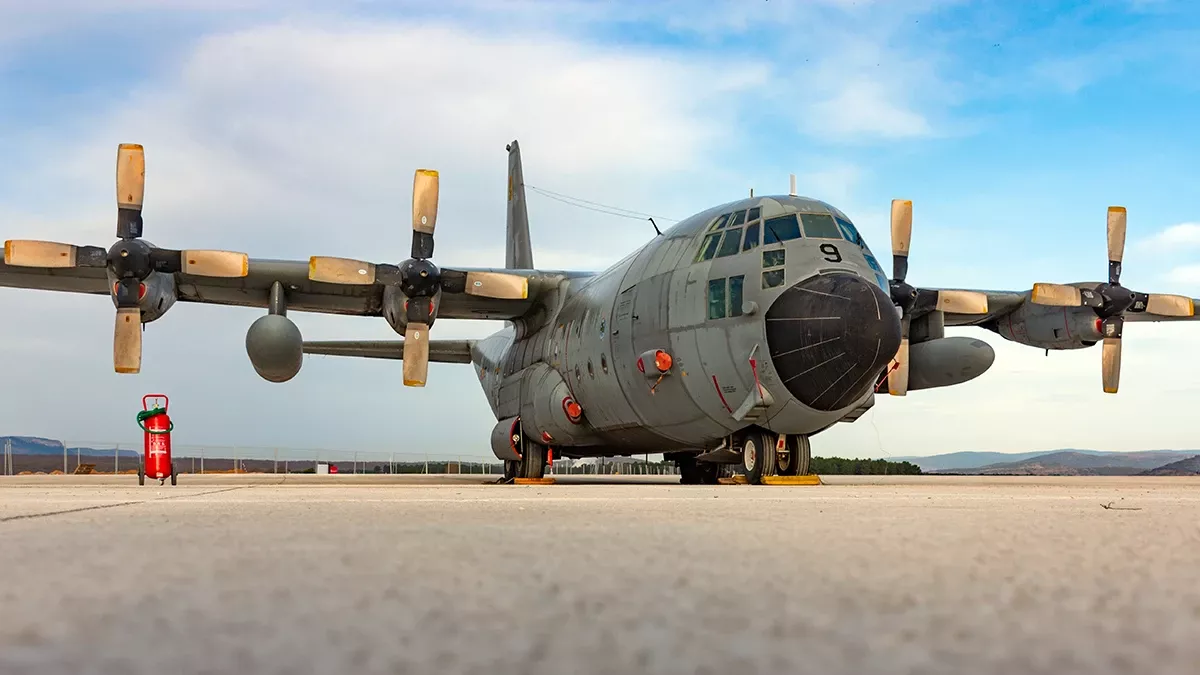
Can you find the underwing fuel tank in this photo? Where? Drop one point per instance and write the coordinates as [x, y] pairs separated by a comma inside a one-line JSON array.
[[945, 362]]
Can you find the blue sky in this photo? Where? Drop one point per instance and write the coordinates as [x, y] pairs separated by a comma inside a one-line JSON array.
[[1011, 126]]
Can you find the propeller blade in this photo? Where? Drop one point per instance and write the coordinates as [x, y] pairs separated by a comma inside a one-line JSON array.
[[497, 285], [1058, 295], [1116, 242], [962, 302], [416, 354], [425, 200], [204, 263], [340, 270], [1111, 364], [898, 376], [901, 237], [28, 253], [127, 340], [131, 188], [1170, 305]]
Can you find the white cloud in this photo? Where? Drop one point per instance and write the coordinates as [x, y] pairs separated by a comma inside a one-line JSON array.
[[1174, 237], [300, 138], [1185, 274]]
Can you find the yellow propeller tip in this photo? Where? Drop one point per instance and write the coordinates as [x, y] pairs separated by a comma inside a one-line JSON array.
[[131, 146], [1116, 209], [432, 173]]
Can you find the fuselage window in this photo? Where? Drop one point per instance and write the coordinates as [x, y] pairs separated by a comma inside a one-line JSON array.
[[731, 242], [709, 247], [772, 278], [735, 295], [716, 299], [780, 228], [752, 236], [739, 219], [820, 225], [774, 257]]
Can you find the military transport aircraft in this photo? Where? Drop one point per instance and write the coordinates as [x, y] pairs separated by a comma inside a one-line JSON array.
[[729, 339]]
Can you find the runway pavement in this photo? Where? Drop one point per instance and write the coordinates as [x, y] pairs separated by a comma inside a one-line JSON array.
[[402, 574]]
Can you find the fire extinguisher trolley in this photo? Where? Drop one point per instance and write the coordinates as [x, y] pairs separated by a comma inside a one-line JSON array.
[[157, 426]]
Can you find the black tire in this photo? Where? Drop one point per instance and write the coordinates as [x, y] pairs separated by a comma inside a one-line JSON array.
[[758, 456], [710, 473], [690, 472], [785, 461], [512, 469], [533, 461], [801, 450]]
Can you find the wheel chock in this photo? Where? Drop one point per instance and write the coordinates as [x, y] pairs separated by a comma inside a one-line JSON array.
[[810, 479], [549, 480]]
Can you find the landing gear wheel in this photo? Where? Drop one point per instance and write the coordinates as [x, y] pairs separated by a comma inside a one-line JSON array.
[[141, 476], [710, 473], [800, 449], [758, 456], [533, 460]]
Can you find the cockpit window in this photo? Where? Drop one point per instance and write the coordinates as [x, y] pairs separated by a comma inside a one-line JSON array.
[[753, 215], [739, 219], [731, 242], [709, 248], [719, 222], [751, 236], [848, 231], [820, 225], [780, 228]]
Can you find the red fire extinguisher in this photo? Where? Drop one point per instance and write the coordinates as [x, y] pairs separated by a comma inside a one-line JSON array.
[[157, 426]]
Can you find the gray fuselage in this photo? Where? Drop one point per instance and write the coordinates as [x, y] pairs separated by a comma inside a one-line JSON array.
[[781, 290]]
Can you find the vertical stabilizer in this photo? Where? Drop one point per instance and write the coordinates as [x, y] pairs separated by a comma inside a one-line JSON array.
[[518, 253]]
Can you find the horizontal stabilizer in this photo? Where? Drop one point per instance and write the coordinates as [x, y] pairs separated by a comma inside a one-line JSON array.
[[440, 351]]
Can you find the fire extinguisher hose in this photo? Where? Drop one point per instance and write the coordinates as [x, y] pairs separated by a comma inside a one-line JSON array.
[[144, 415]]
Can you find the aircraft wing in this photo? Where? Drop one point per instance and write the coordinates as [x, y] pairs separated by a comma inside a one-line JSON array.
[[1000, 303], [303, 295]]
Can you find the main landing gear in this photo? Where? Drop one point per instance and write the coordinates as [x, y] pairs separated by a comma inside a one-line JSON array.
[[755, 453], [532, 463]]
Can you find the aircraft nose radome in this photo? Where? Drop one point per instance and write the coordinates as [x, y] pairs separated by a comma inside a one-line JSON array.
[[830, 336]]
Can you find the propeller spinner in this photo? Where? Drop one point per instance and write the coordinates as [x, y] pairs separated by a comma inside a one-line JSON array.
[[419, 279], [130, 260], [917, 300], [1111, 300]]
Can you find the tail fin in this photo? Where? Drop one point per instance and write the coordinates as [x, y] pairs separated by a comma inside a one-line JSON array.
[[518, 253]]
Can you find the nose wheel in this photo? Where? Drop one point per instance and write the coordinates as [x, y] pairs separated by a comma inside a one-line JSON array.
[[764, 456]]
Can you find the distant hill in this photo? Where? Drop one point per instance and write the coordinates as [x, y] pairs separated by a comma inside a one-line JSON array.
[[1184, 467], [33, 445], [973, 462]]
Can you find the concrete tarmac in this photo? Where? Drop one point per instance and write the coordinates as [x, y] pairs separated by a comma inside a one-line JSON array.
[[365, 574]]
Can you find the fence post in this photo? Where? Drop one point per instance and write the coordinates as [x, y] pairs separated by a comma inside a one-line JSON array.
[[117, 459]]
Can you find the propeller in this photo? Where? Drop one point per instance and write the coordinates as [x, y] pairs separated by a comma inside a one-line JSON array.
[[1111, 300], [130, 260], [917, 301], [419, 279]]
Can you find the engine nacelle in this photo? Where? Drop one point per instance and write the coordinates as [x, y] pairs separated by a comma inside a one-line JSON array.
[[506, 438], [275, 347], [947, 361], [157, 291], [1050, 327], [394, 312]]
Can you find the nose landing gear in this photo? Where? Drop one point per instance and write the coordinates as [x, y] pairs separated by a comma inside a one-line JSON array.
[[755, 453]]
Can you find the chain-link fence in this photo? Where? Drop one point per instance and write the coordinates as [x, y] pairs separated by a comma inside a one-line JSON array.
[[25, 455]]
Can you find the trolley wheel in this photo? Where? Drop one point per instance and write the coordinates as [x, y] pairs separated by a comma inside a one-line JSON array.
[[141, 476], [172, 473]]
